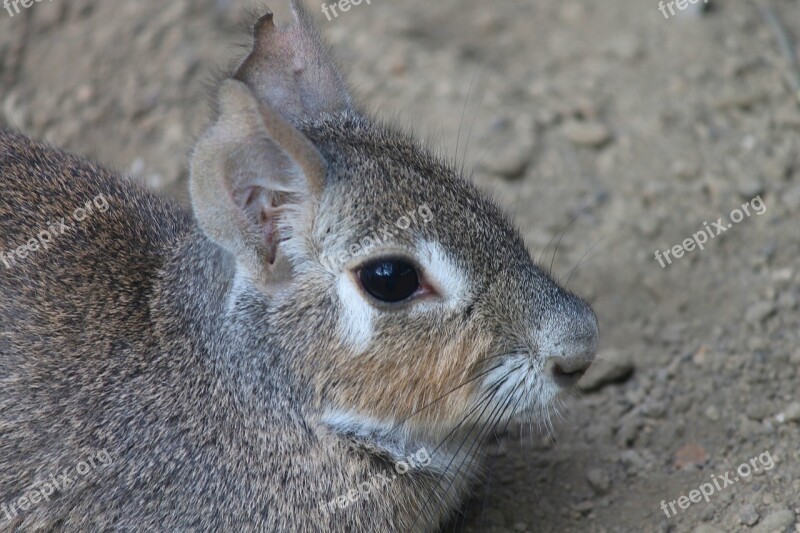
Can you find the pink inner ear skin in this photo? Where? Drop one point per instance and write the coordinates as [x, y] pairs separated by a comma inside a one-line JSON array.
[[270, 228]]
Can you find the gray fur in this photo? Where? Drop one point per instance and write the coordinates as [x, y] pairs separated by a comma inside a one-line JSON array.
[[135, 334]]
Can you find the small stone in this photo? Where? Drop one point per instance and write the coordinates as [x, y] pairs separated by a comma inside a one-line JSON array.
[[791, 197], [699, 357], [650, 226], [610, 366], [712, 413], [790, 414], [694, 10], [685, 169], [775, 521], [512, 142], [509, 162], [690, 454], [633, 461], [584, 507], [748, 515], [654, 409], [628, 431], [760, 312], [16, 114], [759, 409], [626, 47], [749, 189], [591, 134], [782, 275], [599, 480], [520, 526], [739, 99]]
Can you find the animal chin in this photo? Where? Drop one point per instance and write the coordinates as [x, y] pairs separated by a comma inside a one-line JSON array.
[[515, 392]]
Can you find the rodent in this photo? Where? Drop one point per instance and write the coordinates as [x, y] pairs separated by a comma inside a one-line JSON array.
[[247, 365]]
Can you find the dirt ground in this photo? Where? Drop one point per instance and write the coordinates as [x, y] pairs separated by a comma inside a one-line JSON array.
[[602, 125]]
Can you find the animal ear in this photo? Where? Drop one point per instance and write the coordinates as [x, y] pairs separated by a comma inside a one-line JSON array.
[[292, 70], [255, 180]]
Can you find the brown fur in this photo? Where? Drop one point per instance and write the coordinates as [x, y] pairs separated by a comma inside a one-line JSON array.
[[206, 354]]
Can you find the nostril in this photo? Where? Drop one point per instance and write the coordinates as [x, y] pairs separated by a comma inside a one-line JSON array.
[[568, 372]]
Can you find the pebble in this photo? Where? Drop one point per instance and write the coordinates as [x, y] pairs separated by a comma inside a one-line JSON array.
[[760, 312], [584, 507], [509, 161], [791, 197], [654, 409], [512, 144], [633, 461], [599, 480], [739, 99], [650, 226], [748, 515], [610, 366], [712, 413], [591, 134], [685, 169], [749, 189], [775, 521], [700, 356], [626, 47], [690, 454], [16, 113], [759, 409], [790, 414]]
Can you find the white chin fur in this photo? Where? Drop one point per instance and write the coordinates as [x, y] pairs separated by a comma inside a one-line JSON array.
[[395, 444], [524, 391]]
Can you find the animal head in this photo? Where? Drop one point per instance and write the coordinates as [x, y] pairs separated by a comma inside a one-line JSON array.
[[402, 295]]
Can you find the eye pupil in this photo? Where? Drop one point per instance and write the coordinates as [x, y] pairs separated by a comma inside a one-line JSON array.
[[389, 280]]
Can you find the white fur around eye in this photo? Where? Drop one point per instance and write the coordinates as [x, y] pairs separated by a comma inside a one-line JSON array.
[[355, 321], [443, 273]]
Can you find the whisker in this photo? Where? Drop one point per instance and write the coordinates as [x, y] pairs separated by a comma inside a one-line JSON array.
[[485, 403], [463, 111], [471, 454], [495, 389], [490, 370], [563, 233], [592, 247]]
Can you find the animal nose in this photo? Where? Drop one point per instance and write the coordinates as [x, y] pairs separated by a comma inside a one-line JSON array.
[[571, 350], [566, 371]]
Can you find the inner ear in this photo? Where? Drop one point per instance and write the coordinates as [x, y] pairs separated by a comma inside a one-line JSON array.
[[255, 184]]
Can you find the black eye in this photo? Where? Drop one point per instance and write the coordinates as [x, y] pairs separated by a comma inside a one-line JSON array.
[[389, 280]]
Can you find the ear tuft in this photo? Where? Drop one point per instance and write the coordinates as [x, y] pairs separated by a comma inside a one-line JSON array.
[[292, 70]]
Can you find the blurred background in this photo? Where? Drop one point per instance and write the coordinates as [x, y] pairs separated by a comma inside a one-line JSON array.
[[612, 128]]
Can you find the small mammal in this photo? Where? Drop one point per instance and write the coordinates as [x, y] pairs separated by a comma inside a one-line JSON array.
[[237, 377]]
